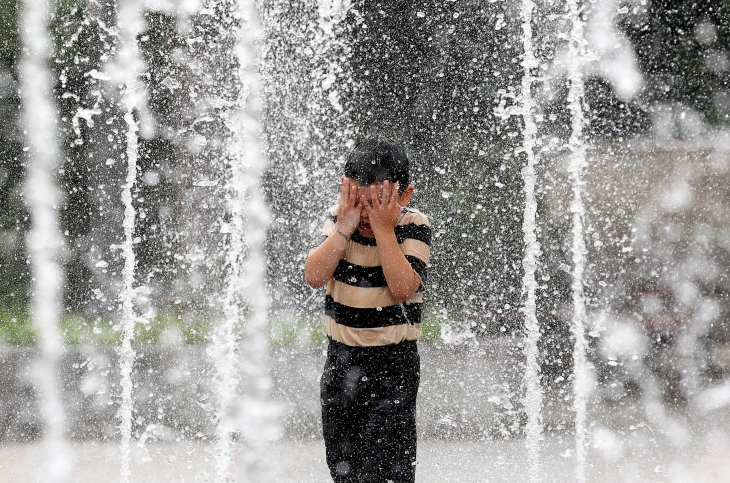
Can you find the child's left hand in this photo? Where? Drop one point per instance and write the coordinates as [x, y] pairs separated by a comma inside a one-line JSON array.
[[385, 211]]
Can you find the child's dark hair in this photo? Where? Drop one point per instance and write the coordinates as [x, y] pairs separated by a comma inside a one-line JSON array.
[[378, 159]]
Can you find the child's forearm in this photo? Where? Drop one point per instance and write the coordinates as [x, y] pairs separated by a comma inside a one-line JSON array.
[[322, 261], [402, 280]]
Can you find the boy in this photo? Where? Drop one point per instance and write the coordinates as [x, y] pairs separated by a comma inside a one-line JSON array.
[[373, 262]]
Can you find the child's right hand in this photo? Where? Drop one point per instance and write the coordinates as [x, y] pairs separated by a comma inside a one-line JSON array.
[[348, 213]]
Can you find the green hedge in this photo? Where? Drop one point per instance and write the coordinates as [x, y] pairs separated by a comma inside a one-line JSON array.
[[16, 329]]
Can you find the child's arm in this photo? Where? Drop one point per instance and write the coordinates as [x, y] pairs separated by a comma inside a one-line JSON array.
[[322, 261], [383, 215]]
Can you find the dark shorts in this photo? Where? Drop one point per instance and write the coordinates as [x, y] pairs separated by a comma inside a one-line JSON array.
[[369, 412]]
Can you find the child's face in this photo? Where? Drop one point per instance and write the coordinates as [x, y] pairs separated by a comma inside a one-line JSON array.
[[364, 226]]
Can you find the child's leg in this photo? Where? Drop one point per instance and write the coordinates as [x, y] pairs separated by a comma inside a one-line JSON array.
[[341, 425], [369, 412], [389, 421]]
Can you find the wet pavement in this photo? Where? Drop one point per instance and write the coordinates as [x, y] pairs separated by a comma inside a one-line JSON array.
[[638, 458]]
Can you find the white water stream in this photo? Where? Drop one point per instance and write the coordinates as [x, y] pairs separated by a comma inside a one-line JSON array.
[[242, 364], [257, 416], [242, 382], [577, 148], [129, 66], [225, 349], [45, 238], [533, 390]]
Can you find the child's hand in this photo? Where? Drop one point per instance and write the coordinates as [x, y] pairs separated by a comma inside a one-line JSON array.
[[348, 213], [384, 212]]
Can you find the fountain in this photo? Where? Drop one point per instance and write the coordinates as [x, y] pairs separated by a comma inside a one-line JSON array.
[[130, 65], [533, 393], [236, 117], [577, 147], [44, 239]]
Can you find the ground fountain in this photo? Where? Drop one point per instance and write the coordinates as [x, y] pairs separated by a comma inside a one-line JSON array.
[[134, 101], [236, 117]]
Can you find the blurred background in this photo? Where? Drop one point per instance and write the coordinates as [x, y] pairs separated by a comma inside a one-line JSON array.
[[443, 78]]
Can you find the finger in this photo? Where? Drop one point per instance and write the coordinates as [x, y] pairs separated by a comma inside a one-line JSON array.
[[364, 202], [387, 192], [394, 198], [384, 194], [374, 197], [349, 187], [343, 192], [353, 200]]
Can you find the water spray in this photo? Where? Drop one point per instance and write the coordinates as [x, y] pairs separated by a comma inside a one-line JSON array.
[[257, 424], [44, 238], [130, 65], [577, 148], [243, 363], [533, 390]]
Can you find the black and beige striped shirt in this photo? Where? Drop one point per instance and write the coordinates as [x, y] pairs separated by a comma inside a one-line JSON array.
[[359, 307]]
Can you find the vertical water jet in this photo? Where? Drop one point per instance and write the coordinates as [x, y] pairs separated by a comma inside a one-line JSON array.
[[244, 364], [130, 65], [533, 391], [258, 425], [224, 349], [577, 153], [44, 240]]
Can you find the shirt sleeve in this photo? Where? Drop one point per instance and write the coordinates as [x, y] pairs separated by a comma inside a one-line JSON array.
[[415, 231]]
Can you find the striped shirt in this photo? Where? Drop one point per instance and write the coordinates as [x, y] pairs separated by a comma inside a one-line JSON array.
[[360, 309]]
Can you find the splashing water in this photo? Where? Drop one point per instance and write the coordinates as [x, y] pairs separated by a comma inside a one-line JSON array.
[[224, 350], [44, 238], [576, 145], [130, 25], [245, 293], [533, 395], [252, 415], [256, 424], [224, 342]]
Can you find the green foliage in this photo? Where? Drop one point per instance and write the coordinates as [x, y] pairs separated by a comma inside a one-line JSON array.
[[431, 326], [172, 329], [302, 330], [16, 328]]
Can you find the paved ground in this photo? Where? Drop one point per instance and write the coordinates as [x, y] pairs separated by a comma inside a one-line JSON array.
[[631, 441], [637, 458]]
